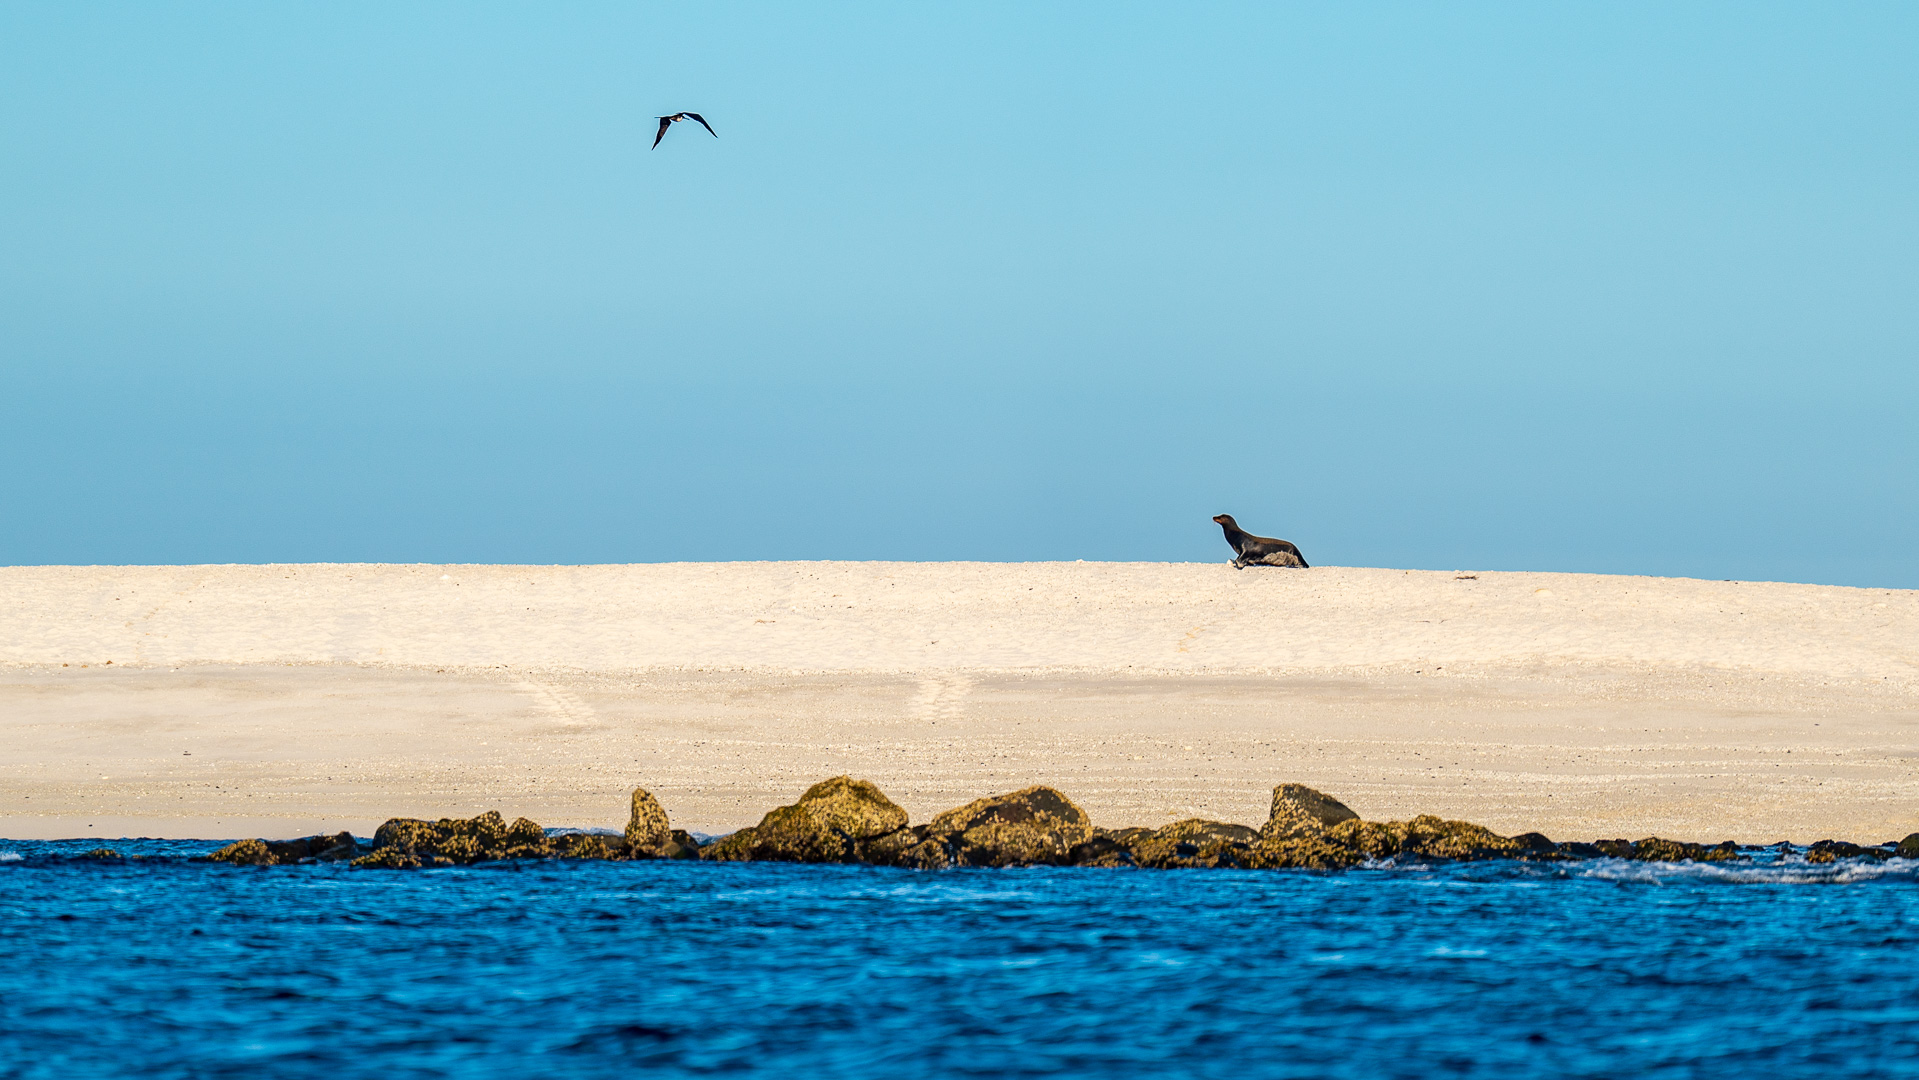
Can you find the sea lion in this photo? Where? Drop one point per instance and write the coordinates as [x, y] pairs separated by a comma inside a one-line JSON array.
[[1258, 550]]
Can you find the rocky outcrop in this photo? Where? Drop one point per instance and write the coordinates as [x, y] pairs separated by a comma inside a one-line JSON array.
[[412, 843], [1826, 851], [1302, 853], [1033, 826], [1534, 845], [406, 843], [1424, 837], [647, 831], [245, 853], [649, 835], [843, 820], [1193, 844], [1653, 849], [1295, 835], [1310, 829], [1299, 811], [338, 847], [1108, 848], [836, 820]]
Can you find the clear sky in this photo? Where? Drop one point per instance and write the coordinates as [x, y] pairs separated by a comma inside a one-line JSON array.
[[1593, 287]]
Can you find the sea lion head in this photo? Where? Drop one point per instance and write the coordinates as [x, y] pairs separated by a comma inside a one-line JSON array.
[[1225, 519]]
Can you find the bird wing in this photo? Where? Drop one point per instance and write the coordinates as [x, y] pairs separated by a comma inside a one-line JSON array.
[[665, 122], [703, 123]]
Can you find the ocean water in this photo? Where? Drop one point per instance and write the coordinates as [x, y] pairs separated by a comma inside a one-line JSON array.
[[162, 967]]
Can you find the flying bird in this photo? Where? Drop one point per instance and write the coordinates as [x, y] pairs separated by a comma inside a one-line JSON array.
[[669, 121]]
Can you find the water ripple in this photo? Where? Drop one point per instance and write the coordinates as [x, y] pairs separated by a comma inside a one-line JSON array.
[[154, 966]]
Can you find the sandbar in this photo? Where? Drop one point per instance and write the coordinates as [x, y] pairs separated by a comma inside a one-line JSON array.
[[279, 700]]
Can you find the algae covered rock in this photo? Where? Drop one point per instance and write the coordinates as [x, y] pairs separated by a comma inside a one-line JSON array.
[[455, 842], [1909, 847], [588, 846], [1194, 843], [647, 831], [1425, 836], [1656, 849], [1353, 841], [649, 835], [894, 848], [1310, 829], [1826, 851], [1302, 853], [245, 853], [834, 821], [1034, 826], [1300, 811], [338, 847], [1574, 849], [1107, 848], [393, 858], [1295, 833], [1537, 846]]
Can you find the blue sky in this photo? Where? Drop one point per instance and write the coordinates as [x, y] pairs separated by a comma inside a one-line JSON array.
[[1609, 287]]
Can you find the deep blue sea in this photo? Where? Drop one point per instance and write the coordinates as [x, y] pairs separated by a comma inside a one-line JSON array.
[[162, 967]]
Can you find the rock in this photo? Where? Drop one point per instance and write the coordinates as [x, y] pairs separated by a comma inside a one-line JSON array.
[[1536, 847], [1302, 853], [890, 849], [408, 843], [855, 808], [836, 820], [1310, 829], [1826, 851], [647, 831], [338, 847], [1033, 826], [455, 841], [911, 849], [100, 853], [1654, 849], [1909, 847], [1572, 849], [1194, 842], [394, 858], [588, 846], [1425, 836], [245, 853], [1300, 811], [1106, 849]]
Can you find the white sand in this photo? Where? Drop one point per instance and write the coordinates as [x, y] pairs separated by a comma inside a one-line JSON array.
[[273, 700]]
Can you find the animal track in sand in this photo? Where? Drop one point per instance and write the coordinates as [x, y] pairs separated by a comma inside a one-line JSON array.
[[557, 703], [942, 697]]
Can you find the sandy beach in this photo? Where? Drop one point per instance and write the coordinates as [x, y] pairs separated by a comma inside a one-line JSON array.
[[223, 701]]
